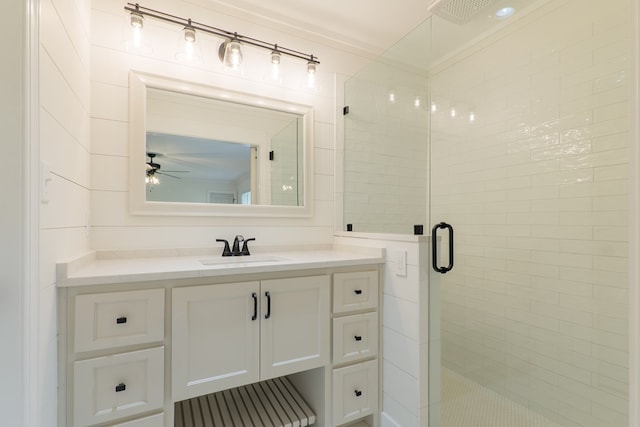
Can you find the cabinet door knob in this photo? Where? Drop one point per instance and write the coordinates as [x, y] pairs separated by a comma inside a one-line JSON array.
[[357, 338], [121, 320], [358, 291], [121, 387], [357, 392]]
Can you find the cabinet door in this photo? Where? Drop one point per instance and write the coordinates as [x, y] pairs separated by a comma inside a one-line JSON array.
[[214, 338], [295, 325]]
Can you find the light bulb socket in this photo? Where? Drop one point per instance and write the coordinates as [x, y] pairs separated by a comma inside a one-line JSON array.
[[189, 34], [137, 20]]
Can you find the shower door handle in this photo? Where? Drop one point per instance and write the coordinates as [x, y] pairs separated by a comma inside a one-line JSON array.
[[434, 247]]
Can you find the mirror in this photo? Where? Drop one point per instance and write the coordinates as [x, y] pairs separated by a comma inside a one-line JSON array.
[[207, 151]]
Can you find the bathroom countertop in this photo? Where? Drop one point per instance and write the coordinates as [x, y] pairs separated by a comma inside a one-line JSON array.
[[96, 268]]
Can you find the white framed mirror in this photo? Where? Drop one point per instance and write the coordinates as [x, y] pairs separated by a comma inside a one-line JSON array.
[[207, 151]]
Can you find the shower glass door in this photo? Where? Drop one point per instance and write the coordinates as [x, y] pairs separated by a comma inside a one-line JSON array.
[[529, 133]]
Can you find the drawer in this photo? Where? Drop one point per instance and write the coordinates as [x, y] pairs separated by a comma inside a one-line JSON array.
[[355, 291], [152, 421], [122, 385], [117, 319], [355, 392], [355, 337]]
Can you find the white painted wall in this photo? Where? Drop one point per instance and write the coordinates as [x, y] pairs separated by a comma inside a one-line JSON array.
[[13, 215], [112, 225], [65, 141]]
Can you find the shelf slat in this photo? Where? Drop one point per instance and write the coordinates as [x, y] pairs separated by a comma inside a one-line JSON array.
[[271, 403]]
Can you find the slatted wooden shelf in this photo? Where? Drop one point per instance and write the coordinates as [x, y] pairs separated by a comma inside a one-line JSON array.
[[271, 403]]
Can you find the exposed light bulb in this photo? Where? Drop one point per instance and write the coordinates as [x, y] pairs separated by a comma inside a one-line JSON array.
[[275, 64], [137, 20], [189, 34], [230, 53], [311, 74]]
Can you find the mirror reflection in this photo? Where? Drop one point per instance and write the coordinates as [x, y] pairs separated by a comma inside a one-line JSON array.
[[205, 150]]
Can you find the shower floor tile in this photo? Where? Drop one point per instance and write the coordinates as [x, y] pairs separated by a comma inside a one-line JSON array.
[[466, 403]]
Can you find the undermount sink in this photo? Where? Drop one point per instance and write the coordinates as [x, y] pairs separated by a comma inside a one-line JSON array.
[[247, 259]]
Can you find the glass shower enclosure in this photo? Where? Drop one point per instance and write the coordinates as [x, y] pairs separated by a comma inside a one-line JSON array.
[[516, 133]]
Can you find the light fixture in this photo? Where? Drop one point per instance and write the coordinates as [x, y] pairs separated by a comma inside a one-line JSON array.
[[137, 20], [188, 51], [392, 96], [434, 107], [276, 57], [505, 12], [416, 102], [230, 51], [453, 112], [311, 72], [151, 178], [189, 33], [472, 117], [137, 23]]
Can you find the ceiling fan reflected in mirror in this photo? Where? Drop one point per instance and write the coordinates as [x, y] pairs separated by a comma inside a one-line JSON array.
[[153, 169]]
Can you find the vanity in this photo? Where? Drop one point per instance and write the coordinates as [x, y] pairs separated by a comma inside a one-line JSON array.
[[187, 338]]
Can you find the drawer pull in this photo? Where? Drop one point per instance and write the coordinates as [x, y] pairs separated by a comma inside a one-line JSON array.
[[121, 387], [357, 392], [358, 291], [121, 320], [357, 338]]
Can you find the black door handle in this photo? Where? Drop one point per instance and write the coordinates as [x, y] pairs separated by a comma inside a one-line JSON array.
[[268, 295], [255, 306], [434, 247]]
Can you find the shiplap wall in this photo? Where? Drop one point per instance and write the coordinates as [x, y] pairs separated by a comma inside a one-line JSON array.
[[65, 144]]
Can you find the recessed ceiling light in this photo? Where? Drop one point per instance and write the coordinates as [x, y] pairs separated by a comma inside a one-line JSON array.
[[505, 12]]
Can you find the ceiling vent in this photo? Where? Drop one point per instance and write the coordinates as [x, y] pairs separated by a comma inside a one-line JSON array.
[[458, 11]]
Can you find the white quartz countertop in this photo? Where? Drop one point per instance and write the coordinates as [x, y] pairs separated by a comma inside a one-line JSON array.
[[112, 268]]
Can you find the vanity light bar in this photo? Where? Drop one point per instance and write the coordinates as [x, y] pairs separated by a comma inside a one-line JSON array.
[[139, 11]]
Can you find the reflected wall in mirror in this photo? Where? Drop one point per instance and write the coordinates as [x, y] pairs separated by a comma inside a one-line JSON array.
[[194, 146]]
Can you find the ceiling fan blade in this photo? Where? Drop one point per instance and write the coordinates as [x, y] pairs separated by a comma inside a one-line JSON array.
[[166, 174]]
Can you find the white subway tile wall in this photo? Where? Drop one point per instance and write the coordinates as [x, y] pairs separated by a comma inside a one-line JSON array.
[[536, 187], [385, 150]]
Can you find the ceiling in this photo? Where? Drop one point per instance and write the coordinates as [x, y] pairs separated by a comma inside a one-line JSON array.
[[368, 25], [373, 27]]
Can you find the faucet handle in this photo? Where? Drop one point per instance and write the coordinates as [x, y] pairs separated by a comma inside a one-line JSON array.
[[245, 247], [226, 251]]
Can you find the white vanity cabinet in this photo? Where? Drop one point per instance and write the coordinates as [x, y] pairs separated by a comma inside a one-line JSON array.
[[298, 345], [355, 346], [228, 335], [116, 358]]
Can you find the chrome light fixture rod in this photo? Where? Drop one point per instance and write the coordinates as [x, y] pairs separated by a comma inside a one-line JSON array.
[[135, 8]]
